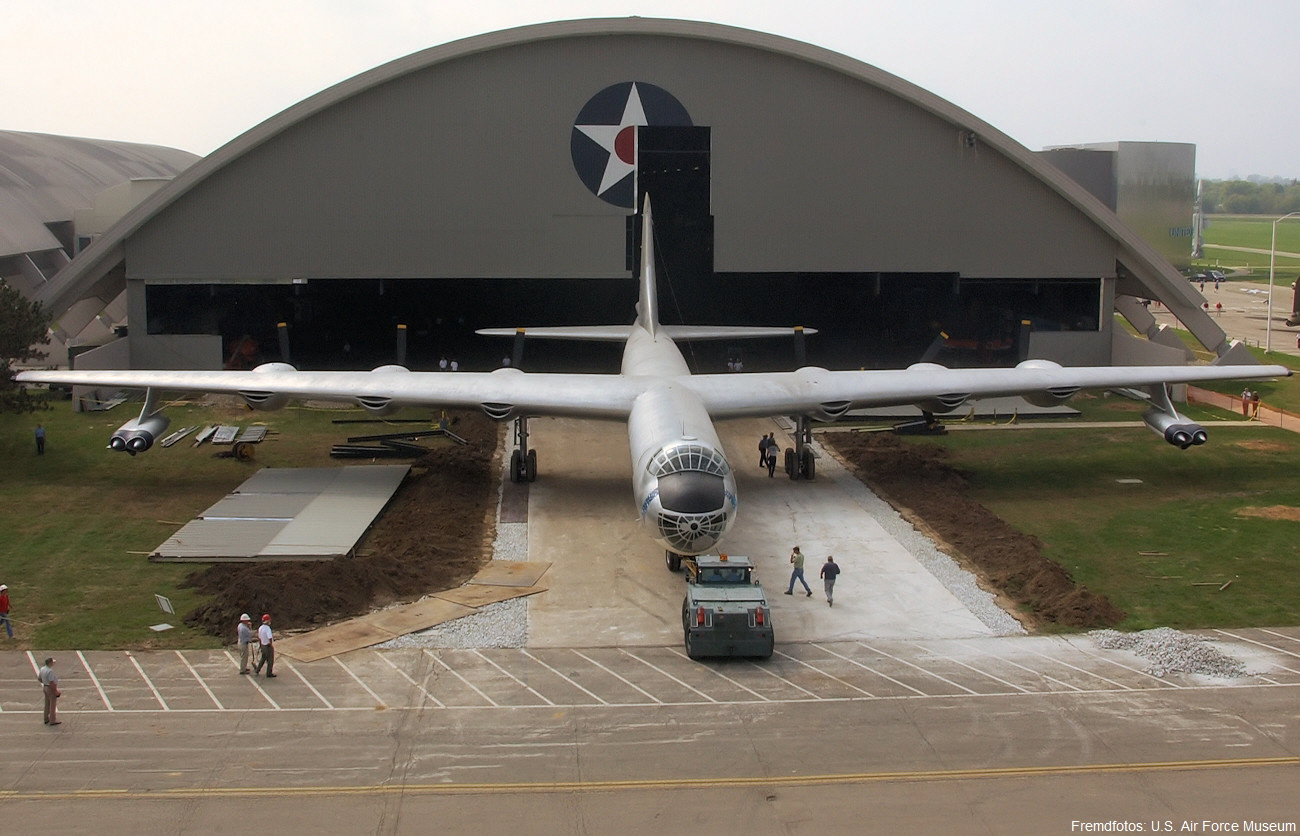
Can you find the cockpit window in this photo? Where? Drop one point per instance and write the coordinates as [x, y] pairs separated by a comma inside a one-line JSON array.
[[688, 457]]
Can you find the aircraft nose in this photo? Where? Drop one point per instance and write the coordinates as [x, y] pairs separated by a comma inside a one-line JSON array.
[[691, 492]]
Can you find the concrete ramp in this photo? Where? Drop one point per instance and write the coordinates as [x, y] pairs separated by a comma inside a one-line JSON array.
[[315, 513]]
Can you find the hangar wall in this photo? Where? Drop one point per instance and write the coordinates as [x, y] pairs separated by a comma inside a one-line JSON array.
[[460, 168]]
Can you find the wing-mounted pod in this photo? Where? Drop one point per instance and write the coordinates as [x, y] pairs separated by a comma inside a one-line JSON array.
[[946, 402], [264, 400], [138, 434], [1053, 396], [377, 405], [1165, 421]]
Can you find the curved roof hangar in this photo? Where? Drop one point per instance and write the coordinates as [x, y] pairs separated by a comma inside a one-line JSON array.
[[460, 162]]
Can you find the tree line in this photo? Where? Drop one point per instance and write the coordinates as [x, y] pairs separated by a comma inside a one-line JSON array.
[[1250, 197]]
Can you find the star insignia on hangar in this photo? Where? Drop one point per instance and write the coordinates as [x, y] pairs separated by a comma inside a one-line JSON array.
[[604, 141]]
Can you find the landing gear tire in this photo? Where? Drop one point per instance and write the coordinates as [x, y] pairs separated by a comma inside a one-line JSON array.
[[516, 466], [673, 560], [531, 460], [791, 464], [809, 465]]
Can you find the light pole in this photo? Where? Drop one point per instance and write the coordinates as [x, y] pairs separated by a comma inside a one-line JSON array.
[[1272, 263]]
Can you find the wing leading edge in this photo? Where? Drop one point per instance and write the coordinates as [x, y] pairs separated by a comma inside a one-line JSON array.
[[823, 393]]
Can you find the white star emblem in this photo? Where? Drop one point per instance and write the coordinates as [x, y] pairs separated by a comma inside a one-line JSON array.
[[619, 140]]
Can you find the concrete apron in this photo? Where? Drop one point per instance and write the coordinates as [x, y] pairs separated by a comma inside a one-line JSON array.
[[609, 585]]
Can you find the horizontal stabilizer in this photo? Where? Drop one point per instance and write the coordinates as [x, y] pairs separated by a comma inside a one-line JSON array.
[[619, 333]]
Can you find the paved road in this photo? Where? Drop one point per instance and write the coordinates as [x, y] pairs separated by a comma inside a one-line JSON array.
[[980, 735]]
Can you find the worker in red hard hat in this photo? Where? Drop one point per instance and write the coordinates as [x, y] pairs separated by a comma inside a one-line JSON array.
[[268, 648]]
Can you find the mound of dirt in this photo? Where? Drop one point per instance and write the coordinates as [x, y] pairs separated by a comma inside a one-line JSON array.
[[435, 534], [918, 481]]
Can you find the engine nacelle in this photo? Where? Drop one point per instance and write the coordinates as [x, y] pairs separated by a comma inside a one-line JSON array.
[[381, 406], [138, 434], [265, 400], [1176, 429], [1050, 397]]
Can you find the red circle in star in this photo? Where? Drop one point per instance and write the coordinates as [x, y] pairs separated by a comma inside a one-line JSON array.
[[625, 144]]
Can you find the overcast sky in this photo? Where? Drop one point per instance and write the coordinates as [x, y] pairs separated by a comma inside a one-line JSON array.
[[1222, 74]]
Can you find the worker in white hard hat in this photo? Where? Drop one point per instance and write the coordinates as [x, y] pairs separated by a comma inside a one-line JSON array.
[[245, 633]]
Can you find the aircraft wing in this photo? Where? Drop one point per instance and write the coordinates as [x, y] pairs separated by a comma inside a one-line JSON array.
[[500, 393], [816, 391]]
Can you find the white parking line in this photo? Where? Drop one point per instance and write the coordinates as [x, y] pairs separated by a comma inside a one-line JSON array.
[[616, 676], [667, 674], [135, 662], [407, 677], [780, 678], [866, 667], [318, 694], [919, 668], [1282, 636], [199, 679], [375, 696], [562, 676], [720, 675], [95, 680], [1164, 682], [1118, 685], [252, 680], [1034, 672], [512, 676], [1265, 645], [825, 674], [974, 669], [467, 683]]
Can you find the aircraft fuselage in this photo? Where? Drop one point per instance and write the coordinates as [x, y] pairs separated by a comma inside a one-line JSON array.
[[684, 486]]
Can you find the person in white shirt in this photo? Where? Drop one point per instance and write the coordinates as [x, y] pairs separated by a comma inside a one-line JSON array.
[[268, 648]]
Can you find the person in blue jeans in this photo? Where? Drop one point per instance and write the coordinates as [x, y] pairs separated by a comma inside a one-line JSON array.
[[796, 574]]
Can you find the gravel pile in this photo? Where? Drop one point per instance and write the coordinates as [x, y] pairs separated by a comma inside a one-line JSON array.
[[1169, 650]]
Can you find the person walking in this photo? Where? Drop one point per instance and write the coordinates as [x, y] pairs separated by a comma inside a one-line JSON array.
[[762, 449], [830, 569], [267, 644], [50, 687], [772, 450], [4, 610], [796, 574], [40, 440], [245, 633]]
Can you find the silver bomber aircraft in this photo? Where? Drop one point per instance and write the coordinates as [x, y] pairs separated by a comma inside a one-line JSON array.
[[682, 483]]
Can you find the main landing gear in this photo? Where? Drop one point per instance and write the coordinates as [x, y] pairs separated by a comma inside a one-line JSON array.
[[523, 462], [800, 463]]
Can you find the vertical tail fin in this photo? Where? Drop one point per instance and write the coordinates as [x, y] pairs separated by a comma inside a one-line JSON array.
[[647, 306]]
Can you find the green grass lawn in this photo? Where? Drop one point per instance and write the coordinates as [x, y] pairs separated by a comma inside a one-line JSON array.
[[77, 523], [1161, 547], [1253, 232]]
